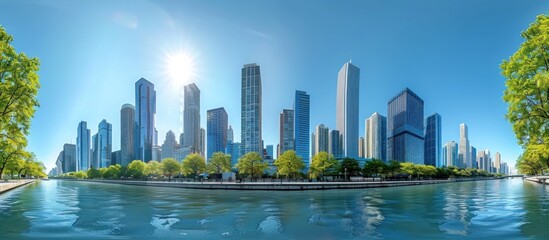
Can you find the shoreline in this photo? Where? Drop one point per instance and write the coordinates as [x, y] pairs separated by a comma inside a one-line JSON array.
[[278, 186], [539, 179], [10, 185]]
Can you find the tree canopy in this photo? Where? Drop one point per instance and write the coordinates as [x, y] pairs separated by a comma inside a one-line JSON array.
[[219, 162], [194, 164], [322, 163], [251, 164], [169, 167], [289, 164]]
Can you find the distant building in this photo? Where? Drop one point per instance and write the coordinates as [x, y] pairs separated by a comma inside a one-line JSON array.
[[270, 152], [230, 134], [145, 111], [104, 143], [474, 160], [202, 143], [83, 147], [286, 130], [405, 128], [169, 146], [191, 115], [302, 125], [497, 163], [361, 148], [376, 137], [128, 140], [69, 158], [450, 154], [433, 140], [485, 161], [335, 142], [116, 157], [464, 148], [251, 97], [321, 141], [347, 106], [234, 150], [217, 125]]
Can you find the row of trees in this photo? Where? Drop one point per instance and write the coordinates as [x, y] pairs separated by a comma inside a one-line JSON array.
[[289, 165], [19, 84], [527, 96]]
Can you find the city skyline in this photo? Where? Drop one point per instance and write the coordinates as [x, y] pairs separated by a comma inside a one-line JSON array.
[[492, 132]]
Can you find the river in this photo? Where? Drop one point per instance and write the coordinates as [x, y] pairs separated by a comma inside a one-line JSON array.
[[493, 209]]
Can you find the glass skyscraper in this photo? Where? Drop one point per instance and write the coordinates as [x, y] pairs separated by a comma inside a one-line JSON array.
[[251, 111], [217, 125], [347, 108], [405, 128], [301, 125], [104, 144], [376, 137], [286, 131], [127, 134], [450, 154], [83, 147], [474, 157], [191, 116], [433, 140], [321, 139], [169, 146], [145, 105], [335, 144], [464, 148]]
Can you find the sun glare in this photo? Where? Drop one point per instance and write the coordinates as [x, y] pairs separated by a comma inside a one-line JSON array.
[[180, 68]]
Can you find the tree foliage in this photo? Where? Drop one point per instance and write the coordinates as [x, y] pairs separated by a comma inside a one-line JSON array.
[[220, 162], [350, 166], [289, 164], [251, 164], [374, 168], [153, 168], [322, 163], [194, 164], [170, 167], [19, 84], [136, 169]]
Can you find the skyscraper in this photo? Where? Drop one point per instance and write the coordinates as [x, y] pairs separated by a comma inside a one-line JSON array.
[[83, 147], [497, 163], [169, 146], [127, 134], [202, 142], [145, 105], [474, 157], [335, 141], [230, 134], [376, 137], [321, 140], [251, 109], [191, 115], [104, 144], [270, 152], [302, 125], [217, 125], [433, 140], [361, 148], [94, 152], [286, 130], [484, 160], [450, 154], [69, 158], [347, 108], [405, 128], [464, 148]]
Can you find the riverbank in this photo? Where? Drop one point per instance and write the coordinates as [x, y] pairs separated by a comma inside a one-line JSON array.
[[539, 179], [12, 184], [279, 186]]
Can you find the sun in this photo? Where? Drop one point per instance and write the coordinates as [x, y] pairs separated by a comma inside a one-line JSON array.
[[180, 68]]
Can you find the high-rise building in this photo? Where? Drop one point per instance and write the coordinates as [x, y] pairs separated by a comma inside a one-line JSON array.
[[94, 152], [202, 142], [433, 140], [474, 160], [83, 147], [405, 128], [104, 144], [286, 131], [450, 154], [321, 140], [361, 148], [233, 148], [302, 126], [347, 108], [69, 158], [270, 152], [497, 163], [485, 161], [335, 142], [230, 134], [376, 137], [191, 115], [115, 157], [251, 109], [127, 134], [59, 164], [313, 145], [145, 106], [217, 125], [464, 148], [169, 146]]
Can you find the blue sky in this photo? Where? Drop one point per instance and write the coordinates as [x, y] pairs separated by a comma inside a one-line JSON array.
[[448, 52]]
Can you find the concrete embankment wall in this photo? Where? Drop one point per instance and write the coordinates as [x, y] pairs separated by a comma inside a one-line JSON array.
[[9, 185], [540, 179], [278, 186]]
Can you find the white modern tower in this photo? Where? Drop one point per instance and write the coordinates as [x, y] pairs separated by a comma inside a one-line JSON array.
[[347, 108], [376, 136], [464, 148]]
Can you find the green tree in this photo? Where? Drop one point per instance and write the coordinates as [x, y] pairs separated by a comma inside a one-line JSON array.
[[374, 167], [251, 164], [80, 175], [19, 84], [350, 167], [289, 164], [393, 167], [136, 169], [169, 167], [321, 164], [93, 173], [112, 172], [220, 162], [194, 164], [153, 168]]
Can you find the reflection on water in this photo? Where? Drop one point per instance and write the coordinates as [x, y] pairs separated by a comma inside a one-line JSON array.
[[504, 209]]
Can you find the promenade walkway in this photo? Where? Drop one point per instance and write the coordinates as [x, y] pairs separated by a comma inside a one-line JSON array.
[[11, 184]]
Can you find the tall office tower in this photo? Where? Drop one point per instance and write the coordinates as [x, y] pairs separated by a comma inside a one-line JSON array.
[[302, 125], [169, 145], [484, 160], [405, 128], [251, 109], [497, 163], [321, 141], [464, 148], [270, 152], [286, 131], [191, 115], [474, 160], [94, 152], [230, 134], [376, 137], [361, 148], [217, 125], [433, 140], [347, 108], [202, 142], [233, 148], [83, 147], [69, 158], [335, 144], [127, 134], [313, 146], [115, 159], [145, 106], [59, 164], [450, 154], [104, 144]]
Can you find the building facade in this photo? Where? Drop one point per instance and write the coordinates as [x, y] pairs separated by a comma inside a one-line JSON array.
[[169, 146], [83, 147], [217, 126], [251, 109], [464, 147], [191, 118], [433, 140], [127, 134], [347, 106], [321, 140], [376, 137], [286, 131], [450, 154], [145, 111], [335, 147], [302, 125], [104, 144]]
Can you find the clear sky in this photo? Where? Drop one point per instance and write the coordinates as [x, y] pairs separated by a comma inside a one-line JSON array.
[[92, 52]]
